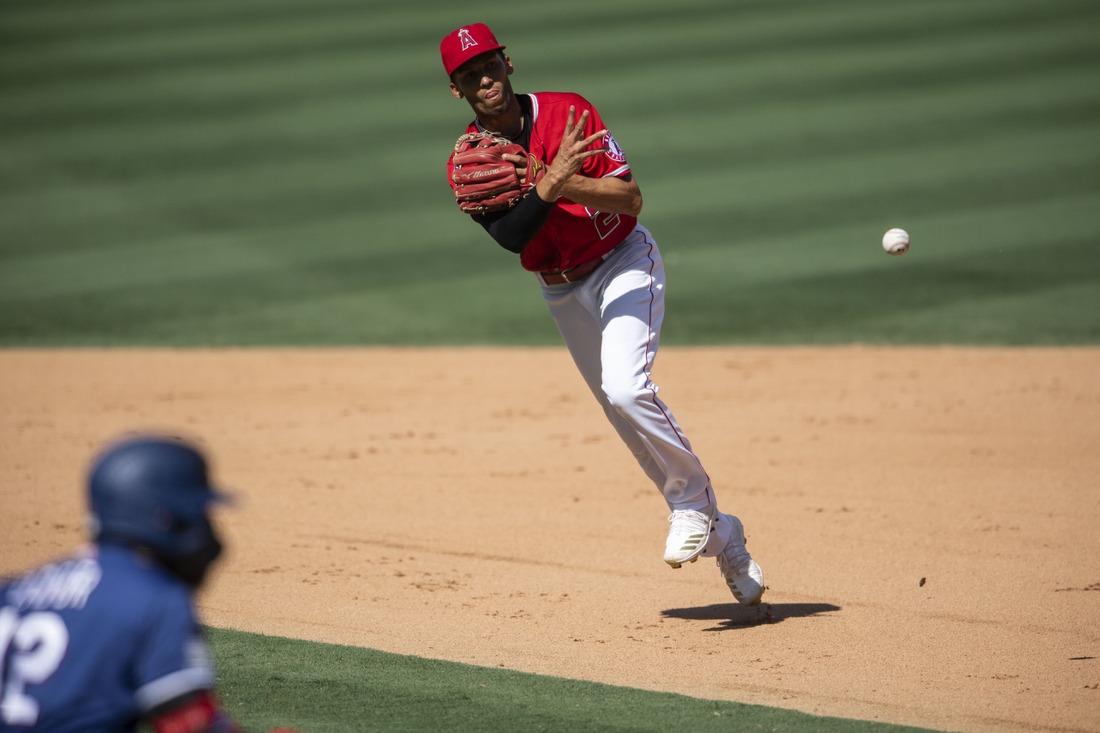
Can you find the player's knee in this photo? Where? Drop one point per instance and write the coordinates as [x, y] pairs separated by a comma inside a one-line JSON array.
[[622, 394]]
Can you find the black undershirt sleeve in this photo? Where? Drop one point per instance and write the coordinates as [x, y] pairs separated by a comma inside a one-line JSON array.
[[514, 228]]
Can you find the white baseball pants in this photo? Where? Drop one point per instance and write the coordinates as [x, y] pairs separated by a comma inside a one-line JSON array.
[[611, 323]]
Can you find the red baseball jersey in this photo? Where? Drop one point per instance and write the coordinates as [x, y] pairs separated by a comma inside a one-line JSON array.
[[573, 234]]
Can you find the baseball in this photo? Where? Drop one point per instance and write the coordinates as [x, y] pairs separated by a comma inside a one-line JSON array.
[[896, 242]]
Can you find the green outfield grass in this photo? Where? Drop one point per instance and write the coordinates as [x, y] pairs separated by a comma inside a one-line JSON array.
[[267, 681], [270, 171]]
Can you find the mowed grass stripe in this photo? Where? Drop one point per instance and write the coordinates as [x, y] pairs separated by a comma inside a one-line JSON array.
[[1042, 97], [270, 173]]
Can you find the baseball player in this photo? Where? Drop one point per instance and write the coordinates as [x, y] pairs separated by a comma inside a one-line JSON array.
[[108, 638], [573, 222]]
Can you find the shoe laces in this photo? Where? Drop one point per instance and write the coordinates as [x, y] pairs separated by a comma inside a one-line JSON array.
[[734, 559], [688, 521]]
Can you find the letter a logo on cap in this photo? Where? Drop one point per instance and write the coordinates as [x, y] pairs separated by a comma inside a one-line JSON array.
[[462, 44]]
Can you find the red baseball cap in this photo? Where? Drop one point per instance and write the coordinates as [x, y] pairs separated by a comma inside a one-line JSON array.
[[464, 43]]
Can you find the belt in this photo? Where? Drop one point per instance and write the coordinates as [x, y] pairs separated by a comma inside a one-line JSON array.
[[574, 274]]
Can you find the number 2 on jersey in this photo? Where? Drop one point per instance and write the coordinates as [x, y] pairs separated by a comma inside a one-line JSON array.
[[36, 645], [605, 223]]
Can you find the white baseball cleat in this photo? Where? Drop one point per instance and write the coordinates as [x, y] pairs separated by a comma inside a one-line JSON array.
[[687, 535], [742, 574]]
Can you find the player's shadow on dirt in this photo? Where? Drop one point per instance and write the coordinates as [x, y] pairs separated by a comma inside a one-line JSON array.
[[736, 616]]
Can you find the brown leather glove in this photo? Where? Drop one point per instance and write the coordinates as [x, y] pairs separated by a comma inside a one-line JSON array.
[[484, 180]]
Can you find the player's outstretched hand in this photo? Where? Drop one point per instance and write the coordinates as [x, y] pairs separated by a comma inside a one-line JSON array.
[[572, 153]]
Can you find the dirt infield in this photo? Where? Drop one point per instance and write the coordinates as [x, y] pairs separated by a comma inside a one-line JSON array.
[[928, 520]]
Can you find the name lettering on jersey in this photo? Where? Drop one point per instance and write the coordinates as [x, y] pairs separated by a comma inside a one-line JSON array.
[[466, 38], [613, 150], [64, 585]]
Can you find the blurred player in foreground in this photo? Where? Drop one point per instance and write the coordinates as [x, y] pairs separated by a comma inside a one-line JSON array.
[[108, 638]]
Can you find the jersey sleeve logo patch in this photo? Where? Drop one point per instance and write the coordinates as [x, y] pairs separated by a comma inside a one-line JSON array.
[[466, 38], [613, 150]]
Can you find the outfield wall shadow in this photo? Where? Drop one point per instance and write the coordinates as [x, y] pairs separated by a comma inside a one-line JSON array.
[[735, 616]]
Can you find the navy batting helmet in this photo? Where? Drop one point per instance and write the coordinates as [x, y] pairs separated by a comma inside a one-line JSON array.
[[155, 493]]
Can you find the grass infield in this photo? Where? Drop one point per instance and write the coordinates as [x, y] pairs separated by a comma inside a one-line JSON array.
[[234, 172], [269, 681]]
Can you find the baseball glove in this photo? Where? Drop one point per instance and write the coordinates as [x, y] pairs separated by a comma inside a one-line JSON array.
[[484, 180]]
